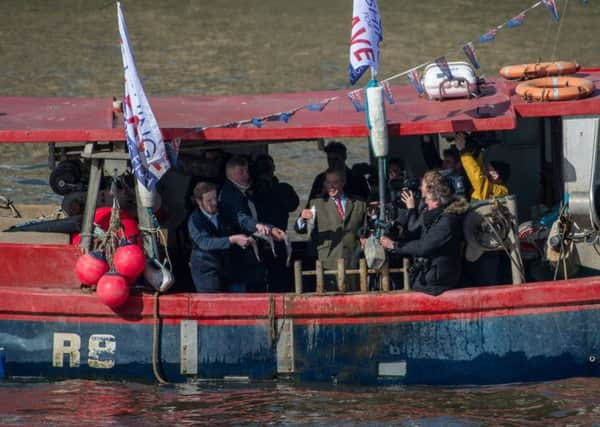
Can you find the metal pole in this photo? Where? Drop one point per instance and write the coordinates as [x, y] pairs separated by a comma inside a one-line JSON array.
[[148, 241], [382, 186], [90, 205]]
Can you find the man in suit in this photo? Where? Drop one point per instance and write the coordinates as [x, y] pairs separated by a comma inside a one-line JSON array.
[[240, 210], [209, 233], [274, 200], [336, 159], [338, 218]]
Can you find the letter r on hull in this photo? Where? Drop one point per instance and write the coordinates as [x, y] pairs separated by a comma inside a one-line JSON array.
[[66, 344]]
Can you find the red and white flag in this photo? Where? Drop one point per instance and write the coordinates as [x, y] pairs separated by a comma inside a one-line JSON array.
[[144, 139], [366, 35]]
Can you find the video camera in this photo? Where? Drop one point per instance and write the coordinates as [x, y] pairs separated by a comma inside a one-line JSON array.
[[396, 186], [390, 227]]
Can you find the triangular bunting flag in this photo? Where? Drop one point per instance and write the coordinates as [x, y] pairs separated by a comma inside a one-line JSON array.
[[551, 6], [490, 35], [516, 21], [356, 100], [471, 55], [413, 78], [387, 91], [443, 64]]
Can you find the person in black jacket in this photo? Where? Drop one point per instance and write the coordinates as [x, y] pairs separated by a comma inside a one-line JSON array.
[[236, 205], [437, 256], [274, 201], [209, 233]]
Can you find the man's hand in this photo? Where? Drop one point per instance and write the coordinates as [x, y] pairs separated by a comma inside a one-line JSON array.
[[263, 229], [460, 141], [278, 234], [408, 198], [386, 242], [239, 239], [306, 214]]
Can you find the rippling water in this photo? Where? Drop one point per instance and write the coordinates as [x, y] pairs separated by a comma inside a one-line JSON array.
[[570, 402], [223, 47]]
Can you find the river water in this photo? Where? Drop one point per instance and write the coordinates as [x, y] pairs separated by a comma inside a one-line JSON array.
[[570, 402], [223, 47]]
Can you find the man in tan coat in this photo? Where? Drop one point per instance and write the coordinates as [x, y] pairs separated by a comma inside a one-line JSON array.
[[336, 220]]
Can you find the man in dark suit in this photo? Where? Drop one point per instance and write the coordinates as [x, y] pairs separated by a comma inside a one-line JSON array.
[[274, 200], [211, 240], [240, 210], [337, 218], [336, 159]]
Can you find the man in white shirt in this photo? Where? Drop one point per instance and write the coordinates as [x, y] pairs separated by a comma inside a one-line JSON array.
[[212, 239]]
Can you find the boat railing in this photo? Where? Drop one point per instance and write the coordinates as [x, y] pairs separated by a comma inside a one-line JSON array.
[[342, 274]]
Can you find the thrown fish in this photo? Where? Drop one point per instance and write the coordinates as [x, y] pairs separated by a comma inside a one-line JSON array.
[[268, 239], [288, 249], [252, 242]]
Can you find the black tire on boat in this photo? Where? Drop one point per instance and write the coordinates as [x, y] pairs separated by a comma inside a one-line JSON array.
[[66, 177]]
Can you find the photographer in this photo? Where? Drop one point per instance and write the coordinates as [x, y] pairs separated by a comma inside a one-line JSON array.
[[487, 180], [436, 267]]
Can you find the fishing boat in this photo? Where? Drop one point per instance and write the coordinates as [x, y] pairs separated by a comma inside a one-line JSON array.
[[540, 329]]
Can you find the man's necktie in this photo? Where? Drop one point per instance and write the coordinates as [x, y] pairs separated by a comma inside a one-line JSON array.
[[338, 205]]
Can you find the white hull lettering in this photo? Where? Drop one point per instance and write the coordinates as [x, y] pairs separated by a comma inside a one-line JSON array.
[[66, 344], [101, 350]]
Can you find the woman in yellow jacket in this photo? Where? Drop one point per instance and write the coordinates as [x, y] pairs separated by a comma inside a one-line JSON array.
[[492, 268], [487, 180]]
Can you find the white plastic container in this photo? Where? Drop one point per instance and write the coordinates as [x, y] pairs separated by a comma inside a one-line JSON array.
[[464, 82]]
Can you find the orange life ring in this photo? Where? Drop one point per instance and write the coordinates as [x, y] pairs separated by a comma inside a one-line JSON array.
[[541, 69], [555, 88]]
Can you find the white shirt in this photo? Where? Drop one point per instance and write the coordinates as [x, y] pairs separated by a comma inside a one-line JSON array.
[[212, 218]]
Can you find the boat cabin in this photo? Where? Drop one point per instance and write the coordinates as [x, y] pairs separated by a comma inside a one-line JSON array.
[[551, 147]]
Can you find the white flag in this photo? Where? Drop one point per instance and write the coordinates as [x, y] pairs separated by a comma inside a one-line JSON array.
[[366, 35], [144, 139]]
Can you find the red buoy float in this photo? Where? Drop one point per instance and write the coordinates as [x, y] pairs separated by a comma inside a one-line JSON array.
[[113, 289], [90, 267], [102, 220], [129, 260]]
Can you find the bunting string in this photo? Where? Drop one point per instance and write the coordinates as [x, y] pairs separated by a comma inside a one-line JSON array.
[[508, 24], [355, 96], [557, 38]]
